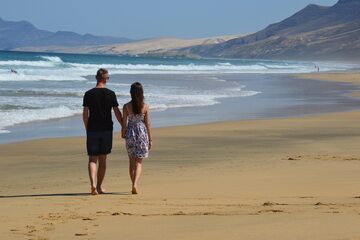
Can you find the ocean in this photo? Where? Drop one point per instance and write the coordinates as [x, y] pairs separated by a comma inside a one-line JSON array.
[[36, 88]]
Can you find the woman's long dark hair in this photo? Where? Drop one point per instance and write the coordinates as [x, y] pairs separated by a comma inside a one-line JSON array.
[[137, 97]]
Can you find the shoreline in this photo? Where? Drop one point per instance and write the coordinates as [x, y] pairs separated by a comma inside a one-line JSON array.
[[221, 112], [346, 77]]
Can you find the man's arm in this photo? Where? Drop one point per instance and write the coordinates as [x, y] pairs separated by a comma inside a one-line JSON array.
[[124, 122], [86, 117], [118, 115]]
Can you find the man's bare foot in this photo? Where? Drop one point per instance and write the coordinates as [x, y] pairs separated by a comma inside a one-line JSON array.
[[101, 190], [94, 191], [134, 190]]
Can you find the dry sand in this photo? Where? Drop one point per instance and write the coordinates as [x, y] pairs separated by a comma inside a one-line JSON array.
[[296, 178]]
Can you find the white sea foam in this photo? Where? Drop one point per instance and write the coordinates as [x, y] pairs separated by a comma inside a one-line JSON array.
[[42, 75], [17, 63], [53, 59], [43, 92], [13, 117], [31, 104], [194, 99], [53, 68]]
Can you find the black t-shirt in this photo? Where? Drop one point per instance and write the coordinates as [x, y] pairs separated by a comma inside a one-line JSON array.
[[100, 102]]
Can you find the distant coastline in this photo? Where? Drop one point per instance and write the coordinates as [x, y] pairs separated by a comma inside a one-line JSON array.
[[315, 33]]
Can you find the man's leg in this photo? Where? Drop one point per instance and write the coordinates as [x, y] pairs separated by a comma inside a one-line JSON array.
[[92, 173], [101, 173]]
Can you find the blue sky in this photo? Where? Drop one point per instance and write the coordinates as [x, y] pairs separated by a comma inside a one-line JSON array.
[[153, 18]]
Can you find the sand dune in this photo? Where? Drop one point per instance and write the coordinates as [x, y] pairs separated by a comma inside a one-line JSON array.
[[151, 46]]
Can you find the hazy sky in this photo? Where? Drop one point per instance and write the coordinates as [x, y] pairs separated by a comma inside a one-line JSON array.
[[153, 18]]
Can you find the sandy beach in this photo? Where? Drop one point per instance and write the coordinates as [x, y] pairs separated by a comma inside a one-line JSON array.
[[289, 178]]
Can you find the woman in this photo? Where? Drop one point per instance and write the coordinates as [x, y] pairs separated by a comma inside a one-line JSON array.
[[137, 132]]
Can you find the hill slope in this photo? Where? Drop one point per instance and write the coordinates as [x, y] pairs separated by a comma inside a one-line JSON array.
[[315, 32]]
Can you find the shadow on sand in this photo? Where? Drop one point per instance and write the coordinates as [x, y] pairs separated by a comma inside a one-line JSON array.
[[62, 195]]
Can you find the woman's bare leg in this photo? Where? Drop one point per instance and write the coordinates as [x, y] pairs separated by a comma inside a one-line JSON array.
[[138, 170], [101, 173], [92, 173], [132, 168]]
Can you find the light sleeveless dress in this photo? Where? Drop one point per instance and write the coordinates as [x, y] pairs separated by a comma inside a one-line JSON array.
[[137, 139]]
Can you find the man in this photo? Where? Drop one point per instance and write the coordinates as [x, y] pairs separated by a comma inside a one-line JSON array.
[[97, 104]]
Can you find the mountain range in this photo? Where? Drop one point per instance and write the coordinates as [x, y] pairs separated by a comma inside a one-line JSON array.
[[314, 33], [24, 34]]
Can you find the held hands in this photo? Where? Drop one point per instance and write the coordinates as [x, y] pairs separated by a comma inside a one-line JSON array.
[[123, 133]]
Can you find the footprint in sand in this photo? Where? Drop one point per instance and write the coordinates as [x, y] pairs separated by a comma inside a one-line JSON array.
[[324, 204], [121, 213], [30, 229], [103, 213], [267, 204], [271, 211], [80, 234], [333, 212]]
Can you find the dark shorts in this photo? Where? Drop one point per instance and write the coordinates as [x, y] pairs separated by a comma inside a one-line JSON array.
[[99, 142]]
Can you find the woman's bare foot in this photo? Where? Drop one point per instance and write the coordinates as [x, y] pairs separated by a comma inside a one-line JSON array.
[[134, 190], [94, 191], [101, 190]]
